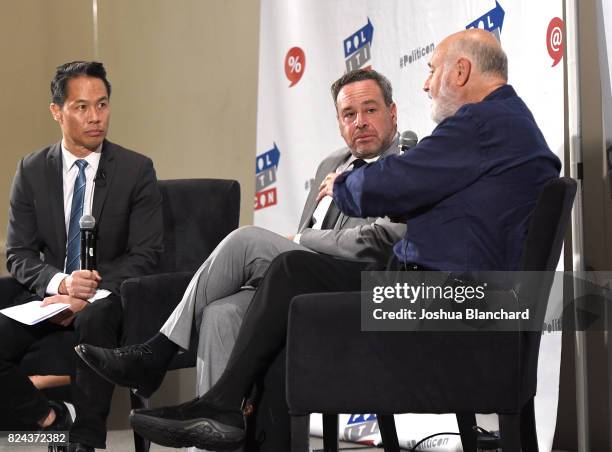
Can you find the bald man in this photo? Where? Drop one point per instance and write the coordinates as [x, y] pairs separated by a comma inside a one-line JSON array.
[[468, 191]]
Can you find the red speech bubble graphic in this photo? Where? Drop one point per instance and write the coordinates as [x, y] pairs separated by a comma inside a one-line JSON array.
[[554, 40], [295, 64]]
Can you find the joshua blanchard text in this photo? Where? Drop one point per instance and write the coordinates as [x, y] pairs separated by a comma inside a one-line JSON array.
[[441, 314]]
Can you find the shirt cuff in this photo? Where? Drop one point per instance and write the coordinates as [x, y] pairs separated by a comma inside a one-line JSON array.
[[297, 238], [53, 286]]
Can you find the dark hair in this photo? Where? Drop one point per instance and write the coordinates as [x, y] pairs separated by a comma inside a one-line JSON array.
[[364, 74], [72, 70]]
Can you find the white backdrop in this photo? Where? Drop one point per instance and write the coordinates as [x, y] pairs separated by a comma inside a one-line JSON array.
[[307, 44], [605, 60]]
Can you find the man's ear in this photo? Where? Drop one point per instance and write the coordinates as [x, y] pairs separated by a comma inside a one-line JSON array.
[[394, 112], [56, 112], [464, 69]]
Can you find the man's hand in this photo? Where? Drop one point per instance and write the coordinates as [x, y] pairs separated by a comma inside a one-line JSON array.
[[327, 186], [65, 317], [290, 237], [80, 284]]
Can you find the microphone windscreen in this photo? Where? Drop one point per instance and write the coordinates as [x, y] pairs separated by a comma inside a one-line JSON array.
[[87, 222], [408, 139]]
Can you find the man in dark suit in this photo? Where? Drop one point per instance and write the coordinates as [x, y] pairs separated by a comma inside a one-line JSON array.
[[52, 189]]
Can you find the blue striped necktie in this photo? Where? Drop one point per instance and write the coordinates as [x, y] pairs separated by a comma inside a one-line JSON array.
[[73, 246]]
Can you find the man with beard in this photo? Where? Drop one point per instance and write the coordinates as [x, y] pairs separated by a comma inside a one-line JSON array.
[[467, 191]]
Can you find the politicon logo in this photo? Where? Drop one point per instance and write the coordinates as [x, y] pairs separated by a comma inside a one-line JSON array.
[[266, 165], [361, 428], [358, 47], [492, 21]]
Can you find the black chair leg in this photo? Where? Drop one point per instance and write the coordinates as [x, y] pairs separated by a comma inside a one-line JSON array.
[[466, 423], [529, 435], [300, 426], [510, 432], [388, 433], [330, 432], [140, 444]]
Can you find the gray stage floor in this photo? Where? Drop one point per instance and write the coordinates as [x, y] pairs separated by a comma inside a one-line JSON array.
[[122, 441]]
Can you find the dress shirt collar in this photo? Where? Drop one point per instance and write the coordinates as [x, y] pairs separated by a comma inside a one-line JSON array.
[[387, 151], [68, 158]]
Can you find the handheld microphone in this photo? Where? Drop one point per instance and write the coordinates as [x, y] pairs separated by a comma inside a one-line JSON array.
[[87, 223], [407, 140]]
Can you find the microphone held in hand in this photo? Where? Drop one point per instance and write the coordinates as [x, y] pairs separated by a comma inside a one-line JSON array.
[[87, 223], [407, 140]]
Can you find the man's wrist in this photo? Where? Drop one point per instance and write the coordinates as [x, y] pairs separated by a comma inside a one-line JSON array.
[[62, 290]]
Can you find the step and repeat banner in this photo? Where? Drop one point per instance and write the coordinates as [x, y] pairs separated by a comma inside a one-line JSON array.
[[307, 44]]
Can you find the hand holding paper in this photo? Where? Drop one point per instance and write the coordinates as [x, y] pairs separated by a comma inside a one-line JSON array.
[[65, 317]]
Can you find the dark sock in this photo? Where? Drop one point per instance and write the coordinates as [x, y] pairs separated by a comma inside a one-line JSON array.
[[163, 350]]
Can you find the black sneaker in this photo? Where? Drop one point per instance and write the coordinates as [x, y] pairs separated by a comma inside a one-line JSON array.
[[126, 366], [192, 424]]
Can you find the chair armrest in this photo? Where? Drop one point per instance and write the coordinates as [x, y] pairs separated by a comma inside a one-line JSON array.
[[148, 301]]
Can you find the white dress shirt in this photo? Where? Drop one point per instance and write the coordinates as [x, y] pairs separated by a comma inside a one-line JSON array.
[[70, 171], [323, 206]]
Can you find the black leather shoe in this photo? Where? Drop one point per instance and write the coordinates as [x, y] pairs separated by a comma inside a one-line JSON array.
[[191, 424], [79, 447], [126, 366]]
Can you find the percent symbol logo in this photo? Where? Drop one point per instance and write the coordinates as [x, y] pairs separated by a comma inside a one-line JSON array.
[[295, 65]]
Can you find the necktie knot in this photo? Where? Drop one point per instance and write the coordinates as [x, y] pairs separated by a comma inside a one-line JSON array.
[[358, 163], [82, 164]]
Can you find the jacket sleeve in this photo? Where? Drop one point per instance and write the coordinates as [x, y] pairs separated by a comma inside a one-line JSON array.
[[23, 243], [369, 241], [442, 164], [145, 233]]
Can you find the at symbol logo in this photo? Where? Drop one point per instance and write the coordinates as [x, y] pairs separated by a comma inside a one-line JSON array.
[[554, 40]]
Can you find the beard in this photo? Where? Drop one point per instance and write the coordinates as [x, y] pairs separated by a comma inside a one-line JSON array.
[[446, 104]]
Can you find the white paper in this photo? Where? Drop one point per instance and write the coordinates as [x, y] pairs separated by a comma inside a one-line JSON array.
[[100, 293], [32, 313]]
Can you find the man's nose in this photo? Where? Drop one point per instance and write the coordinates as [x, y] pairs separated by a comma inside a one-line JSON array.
[[93, 116], [362, 121]]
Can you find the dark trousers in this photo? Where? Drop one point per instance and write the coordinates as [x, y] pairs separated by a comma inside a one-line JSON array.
[[263, 333], [98, 324]]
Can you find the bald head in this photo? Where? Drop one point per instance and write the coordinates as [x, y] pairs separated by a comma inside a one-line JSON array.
[[482, 48], [465, 68]]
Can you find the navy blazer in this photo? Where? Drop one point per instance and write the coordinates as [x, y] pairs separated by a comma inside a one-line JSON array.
[[467, 190], [126, 206]]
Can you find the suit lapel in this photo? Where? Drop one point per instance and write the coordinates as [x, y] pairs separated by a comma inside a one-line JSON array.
[[311, 203], [341, 218], [54, 175], [104, 178]]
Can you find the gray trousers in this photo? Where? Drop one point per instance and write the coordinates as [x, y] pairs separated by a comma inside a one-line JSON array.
[[219, 294]]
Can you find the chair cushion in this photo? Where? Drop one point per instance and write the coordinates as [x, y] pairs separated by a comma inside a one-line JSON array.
[[334, 367]]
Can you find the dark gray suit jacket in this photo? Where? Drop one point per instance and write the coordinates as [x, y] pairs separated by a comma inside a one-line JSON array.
[[126, 206], [352, 238]]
